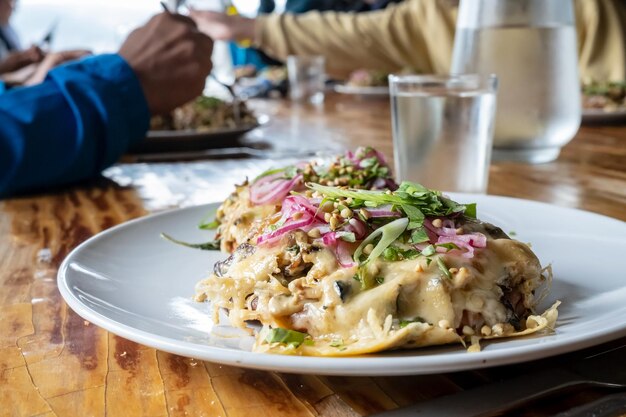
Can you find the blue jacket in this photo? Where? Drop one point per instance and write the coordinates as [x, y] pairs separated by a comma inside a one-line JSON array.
[[80, 120]]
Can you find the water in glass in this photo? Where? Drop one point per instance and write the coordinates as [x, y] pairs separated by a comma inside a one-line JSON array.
[[442, 138]]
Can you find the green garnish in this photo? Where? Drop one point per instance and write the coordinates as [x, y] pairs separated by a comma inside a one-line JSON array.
[[404, 323], [444, 268], [337, 343], [209, 225], [211, 245], [286, 336], [414, 200], [429, 250], [391, 254], [379, 280], [388, 234], [448, 246]]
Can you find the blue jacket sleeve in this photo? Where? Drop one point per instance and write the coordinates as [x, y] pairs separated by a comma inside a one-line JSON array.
[[80, 120]]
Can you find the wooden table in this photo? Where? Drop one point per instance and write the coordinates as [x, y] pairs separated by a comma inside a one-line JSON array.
[[54, 363]]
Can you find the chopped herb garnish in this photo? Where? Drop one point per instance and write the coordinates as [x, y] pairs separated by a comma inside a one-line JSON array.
[[336, 343], [429, 250], [295, 249], [211, 245], [346, 236], [379, 280], [448, 246], [391, 254], [404, 323], [419, 236], [388, 234], [285, 336], [209, 225], [444, 268], [412, 199]]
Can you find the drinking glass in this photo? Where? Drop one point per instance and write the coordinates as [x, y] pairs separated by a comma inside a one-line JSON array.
[[306, 78], [531, 46], [443, 129]]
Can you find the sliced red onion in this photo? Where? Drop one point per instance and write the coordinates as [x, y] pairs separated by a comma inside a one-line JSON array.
[[275, 235], [272, 189], [343, 255], [358, 227], [383, 211]]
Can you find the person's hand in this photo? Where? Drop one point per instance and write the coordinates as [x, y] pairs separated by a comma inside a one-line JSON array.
[[223, 27], [52, 60], [171, 59], [20, 59]]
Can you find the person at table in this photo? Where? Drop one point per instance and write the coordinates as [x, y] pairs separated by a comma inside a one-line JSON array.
[[14, 61], [87, 113], [416, 34], [12, 57]]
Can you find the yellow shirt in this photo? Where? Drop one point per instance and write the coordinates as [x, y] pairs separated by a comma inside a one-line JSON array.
[[419, 34]]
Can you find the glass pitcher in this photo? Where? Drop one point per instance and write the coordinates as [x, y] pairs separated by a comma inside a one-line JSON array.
[[531, 46]]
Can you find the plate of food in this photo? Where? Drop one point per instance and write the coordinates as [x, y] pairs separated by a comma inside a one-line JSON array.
[[330, 267], [200, 124], [604, 102], [366, 83]]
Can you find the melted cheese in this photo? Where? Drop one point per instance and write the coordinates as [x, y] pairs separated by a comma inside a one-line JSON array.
[[415, 305]]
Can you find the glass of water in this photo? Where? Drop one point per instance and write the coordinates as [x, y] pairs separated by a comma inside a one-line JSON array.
[[306, 78], [531, 46], [443, 129]]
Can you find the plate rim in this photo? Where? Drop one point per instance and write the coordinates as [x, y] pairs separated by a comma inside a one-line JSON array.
[[365, 365]]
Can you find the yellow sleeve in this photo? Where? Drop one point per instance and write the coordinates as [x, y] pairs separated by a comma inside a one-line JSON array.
[[601, 27], [417, 34]]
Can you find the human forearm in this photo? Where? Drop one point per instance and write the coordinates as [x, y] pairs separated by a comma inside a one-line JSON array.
[[70, 127], [416, 34]]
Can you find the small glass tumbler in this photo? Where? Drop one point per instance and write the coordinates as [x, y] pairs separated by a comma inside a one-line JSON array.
[[443, 129], [306, 78]]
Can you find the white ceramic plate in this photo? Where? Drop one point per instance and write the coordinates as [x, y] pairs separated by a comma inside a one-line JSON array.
[[596, 116], [380, 91], [134, 284]]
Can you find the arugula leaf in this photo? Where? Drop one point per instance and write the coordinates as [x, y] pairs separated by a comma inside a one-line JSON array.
[[211, 245], [470, 210], [419, 236]]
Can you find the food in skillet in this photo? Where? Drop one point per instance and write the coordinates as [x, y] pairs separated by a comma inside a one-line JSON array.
[[607, 96], [204, 114], [239, 217], [341, 271]]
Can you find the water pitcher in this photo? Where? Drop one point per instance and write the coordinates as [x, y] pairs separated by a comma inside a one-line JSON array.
[[531, 46]]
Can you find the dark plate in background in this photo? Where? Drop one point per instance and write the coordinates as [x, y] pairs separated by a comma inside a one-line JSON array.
[[193, 140]]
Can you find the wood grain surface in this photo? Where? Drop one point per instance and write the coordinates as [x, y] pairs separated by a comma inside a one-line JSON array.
[[54, 363]]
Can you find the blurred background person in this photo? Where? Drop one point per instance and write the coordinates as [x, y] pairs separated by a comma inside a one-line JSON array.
[[12, 57], [86, 114], [416, 34], [244, 55], [29, 66]]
